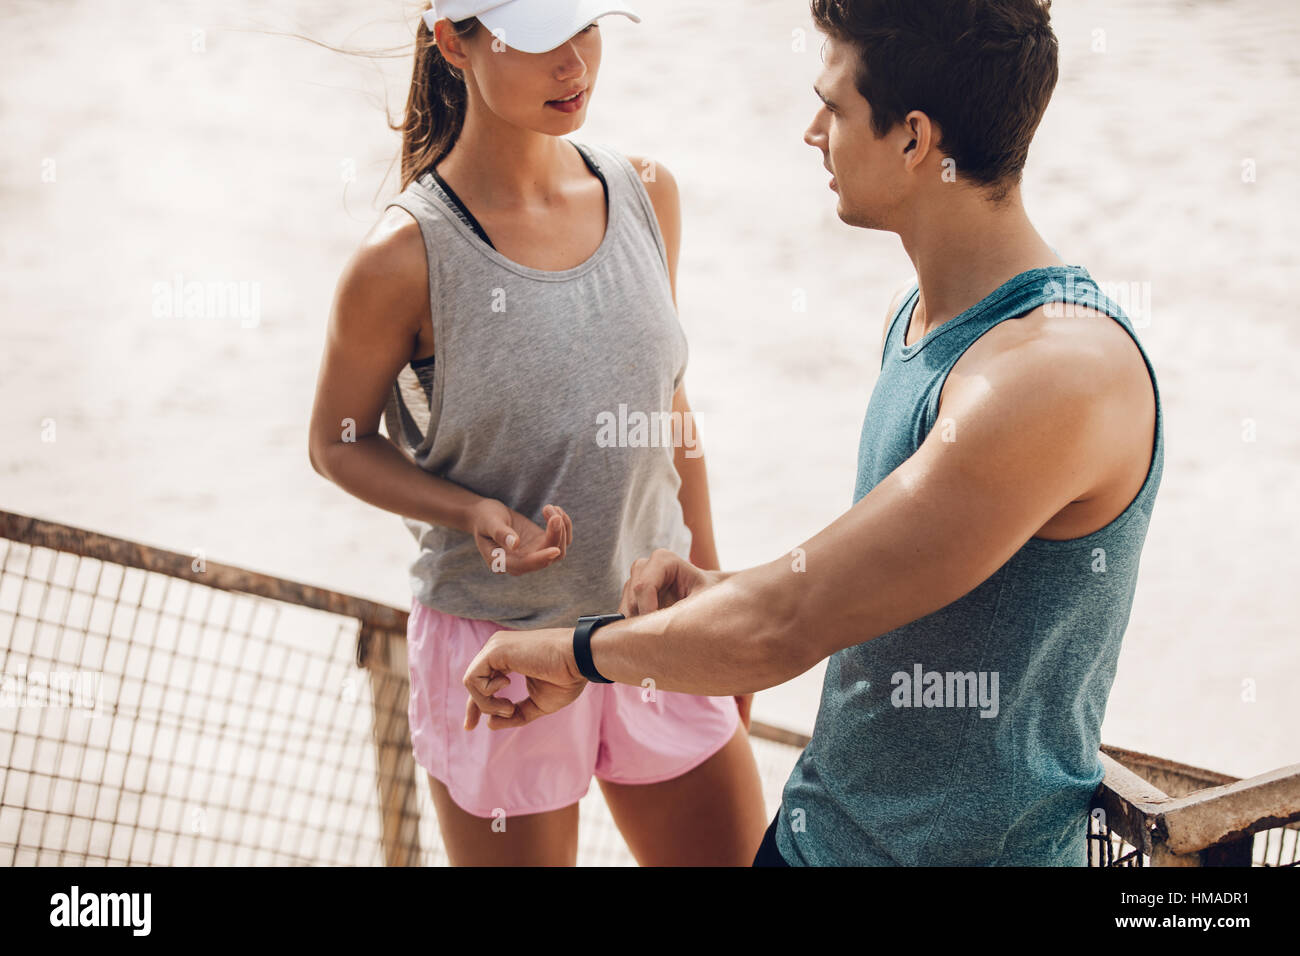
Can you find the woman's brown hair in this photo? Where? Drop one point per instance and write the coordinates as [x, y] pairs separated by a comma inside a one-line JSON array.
[[435, 109]]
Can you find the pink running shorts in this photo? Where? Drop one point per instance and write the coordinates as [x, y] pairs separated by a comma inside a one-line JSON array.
[[615, 731]]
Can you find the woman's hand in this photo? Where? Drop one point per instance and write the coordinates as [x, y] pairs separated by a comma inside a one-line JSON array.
[[544, 657], [662, 580], [510, 542]]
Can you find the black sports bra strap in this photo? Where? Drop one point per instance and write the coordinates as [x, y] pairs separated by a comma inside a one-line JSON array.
[[467, 217]]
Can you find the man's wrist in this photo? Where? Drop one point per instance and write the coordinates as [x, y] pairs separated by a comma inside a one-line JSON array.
[[582, 655]]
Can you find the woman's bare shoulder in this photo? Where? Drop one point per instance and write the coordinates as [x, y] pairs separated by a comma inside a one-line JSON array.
[[386, 281], [660, 183], [394, 248]]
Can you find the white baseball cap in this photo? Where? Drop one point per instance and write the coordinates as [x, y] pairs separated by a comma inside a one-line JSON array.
[[531, 26]]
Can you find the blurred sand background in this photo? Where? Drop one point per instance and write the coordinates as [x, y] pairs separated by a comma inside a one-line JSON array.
[[233, 164]]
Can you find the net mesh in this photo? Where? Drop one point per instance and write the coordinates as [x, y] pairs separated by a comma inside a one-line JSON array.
[[148, 719]]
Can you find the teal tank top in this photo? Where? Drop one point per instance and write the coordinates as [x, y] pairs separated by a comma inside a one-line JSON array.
[[970, 736]]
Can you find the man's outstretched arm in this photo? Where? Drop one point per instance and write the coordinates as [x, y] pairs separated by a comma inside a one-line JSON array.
[[1029, 430], [1028, 438]]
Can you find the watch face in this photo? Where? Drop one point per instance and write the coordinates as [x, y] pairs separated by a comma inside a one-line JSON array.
[[599, 618]]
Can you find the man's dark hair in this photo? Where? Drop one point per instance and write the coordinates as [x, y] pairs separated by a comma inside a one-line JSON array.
[[983, 70]]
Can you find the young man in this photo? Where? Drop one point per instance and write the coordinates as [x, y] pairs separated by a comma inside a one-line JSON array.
[[973, 599]]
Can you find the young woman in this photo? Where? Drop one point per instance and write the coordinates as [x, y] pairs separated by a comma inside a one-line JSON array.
[[518, 292]]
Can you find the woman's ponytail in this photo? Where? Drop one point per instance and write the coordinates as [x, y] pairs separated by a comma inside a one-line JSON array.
[[435, 110]]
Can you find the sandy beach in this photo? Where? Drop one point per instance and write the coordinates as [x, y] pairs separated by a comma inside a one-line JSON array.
[[147, 143]]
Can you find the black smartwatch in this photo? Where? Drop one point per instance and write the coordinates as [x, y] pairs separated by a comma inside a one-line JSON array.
[[582, 645]]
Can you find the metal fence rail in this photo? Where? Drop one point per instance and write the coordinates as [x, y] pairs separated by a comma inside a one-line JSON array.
[[156, 709], [1194, 817], [203, 727]]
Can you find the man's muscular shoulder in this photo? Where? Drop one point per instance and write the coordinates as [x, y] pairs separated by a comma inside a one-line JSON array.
[[1083, 366], [1060, 340]]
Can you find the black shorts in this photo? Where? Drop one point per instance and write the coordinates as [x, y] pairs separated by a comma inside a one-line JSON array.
[[768, 855]]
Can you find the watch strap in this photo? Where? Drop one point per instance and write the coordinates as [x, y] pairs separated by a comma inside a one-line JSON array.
[[582, 645]]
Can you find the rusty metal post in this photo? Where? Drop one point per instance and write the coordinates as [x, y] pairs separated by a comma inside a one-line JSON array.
[[1237, 853], [383, 654], [1161, 855]]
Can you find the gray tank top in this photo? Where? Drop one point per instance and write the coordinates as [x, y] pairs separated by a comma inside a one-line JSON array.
[[541, 387]]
